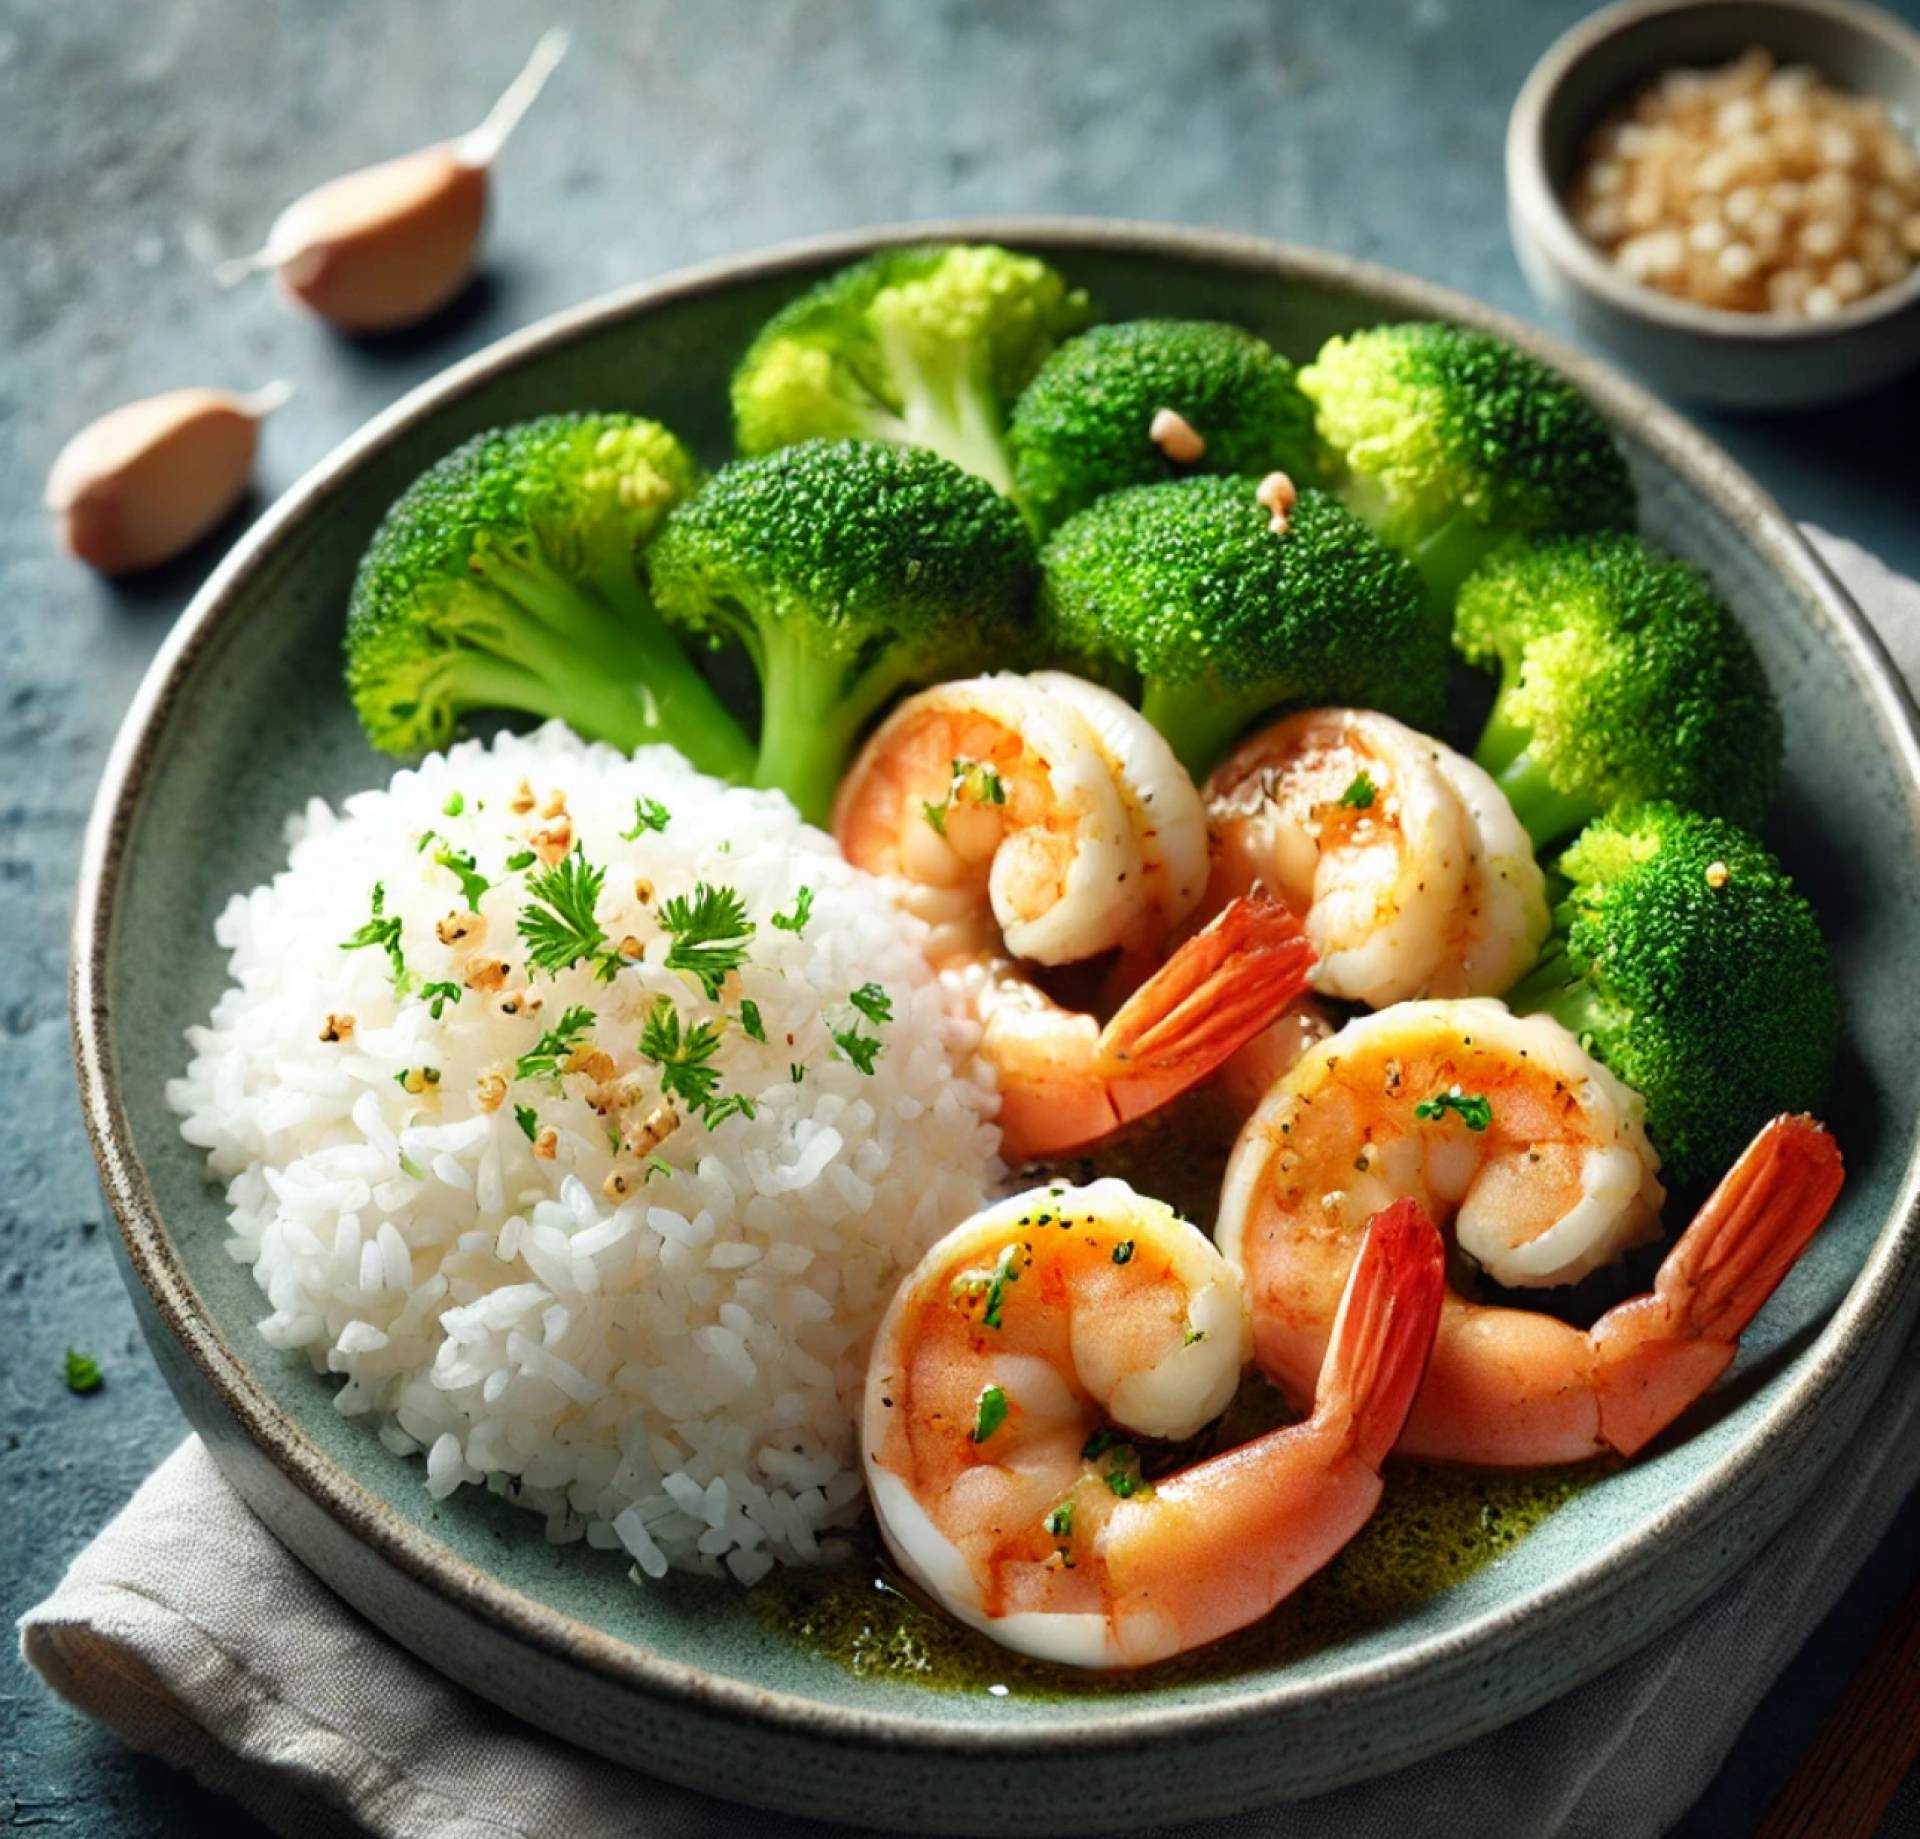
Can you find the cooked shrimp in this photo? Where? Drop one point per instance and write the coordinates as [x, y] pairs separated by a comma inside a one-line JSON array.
[[1252, 1071], [1495, 934], [1066, 1081], [1034, 1338], [1410, 872], [1536, 1154], [1023, 815], [1041, 818]]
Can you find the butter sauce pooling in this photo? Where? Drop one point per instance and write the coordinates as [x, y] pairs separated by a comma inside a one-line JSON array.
[[1434, 1529]]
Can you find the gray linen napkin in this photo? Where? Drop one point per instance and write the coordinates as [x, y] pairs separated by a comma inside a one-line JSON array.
[[191, 1633]]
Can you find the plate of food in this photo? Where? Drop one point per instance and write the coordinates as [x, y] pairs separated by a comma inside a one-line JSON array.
[[919, 1026]]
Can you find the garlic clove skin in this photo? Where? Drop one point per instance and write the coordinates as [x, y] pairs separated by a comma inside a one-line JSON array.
[[147, 480], [384, 247]]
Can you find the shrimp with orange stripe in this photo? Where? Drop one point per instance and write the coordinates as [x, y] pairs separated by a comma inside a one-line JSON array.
[[1030, 1347], [1504, 1129], [1042, 821]]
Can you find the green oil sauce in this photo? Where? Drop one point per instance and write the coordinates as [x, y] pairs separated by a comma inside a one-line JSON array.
[[1435, 1526]]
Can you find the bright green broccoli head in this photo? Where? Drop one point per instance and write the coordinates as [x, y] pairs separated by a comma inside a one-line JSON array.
[[1695, 970], [505, 577], [1187, 591], [1623, 679], [848, 570], [1085, 425], [926, 346], [1448, 440]]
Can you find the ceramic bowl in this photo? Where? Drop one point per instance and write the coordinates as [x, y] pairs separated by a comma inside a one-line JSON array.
[[242, 718], [1702, 354]]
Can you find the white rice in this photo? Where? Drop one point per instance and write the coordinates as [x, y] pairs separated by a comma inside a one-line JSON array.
[[675, 1372]]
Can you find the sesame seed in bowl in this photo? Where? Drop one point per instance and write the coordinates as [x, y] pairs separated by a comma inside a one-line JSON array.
[[1727, 193]]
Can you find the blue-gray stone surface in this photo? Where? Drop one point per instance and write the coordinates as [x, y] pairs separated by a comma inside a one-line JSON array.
[[140, 142]]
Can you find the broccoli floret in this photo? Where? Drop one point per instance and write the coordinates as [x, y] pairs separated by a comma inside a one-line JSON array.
[[1448, 440], [926, 346], [1622, 679], [1691, 966], [1082, 427], [848, 570], [1187, 593], [506, 577]]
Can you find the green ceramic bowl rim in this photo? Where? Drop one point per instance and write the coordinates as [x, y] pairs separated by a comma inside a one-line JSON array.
[[1874, 1300], [1537, 200]]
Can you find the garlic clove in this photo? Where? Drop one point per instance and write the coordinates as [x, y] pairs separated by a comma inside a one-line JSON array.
[[382, 248], [145, 481]]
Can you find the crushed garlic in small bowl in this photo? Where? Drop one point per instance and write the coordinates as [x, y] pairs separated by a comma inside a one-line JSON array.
[[1755, 188]]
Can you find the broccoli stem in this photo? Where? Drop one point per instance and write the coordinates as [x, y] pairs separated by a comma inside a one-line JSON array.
[[810, 719], [1544, 811], [1553, 988], [1200, 721], [628, 681], [946, 406], [1448, 553], [1503, 740]]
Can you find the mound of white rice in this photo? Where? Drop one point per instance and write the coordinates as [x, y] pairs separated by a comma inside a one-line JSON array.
[[674, 1369]]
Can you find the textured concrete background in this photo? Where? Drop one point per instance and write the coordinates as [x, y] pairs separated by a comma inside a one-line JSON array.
[[140, 141]]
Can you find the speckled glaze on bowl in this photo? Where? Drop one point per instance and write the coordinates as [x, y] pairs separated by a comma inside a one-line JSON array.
[[242, 718], [1699, 353]]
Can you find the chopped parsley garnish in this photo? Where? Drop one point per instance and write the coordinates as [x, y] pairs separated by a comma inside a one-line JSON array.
[[383, 930], [750, 1022], [992, 1413], [980, 782], [1060, 1521], [548, 1056], [872, 1002], [862, 1049], [1193, 1335], [648, 814], [802, 912], [795, 1071], [1359, 795], [1122, 1474], [658, 1165], [410, 1168], [83, 1372], [528, 1119], [683, 1056], [460, 863], [710, 931], [456, 803], [1474, 1110], [426, 837], [438, 995], [977, 780], [730, 1104], [560, 930], [1003, 1274], [1123, 1252], [521, 858], [972, 779]]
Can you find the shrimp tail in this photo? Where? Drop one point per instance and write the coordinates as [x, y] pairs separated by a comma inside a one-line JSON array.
[[1214, 994], [1384, 1332], [1658, 1353]]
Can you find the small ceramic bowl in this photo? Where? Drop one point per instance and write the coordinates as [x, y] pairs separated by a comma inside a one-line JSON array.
[[1704, 354]]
